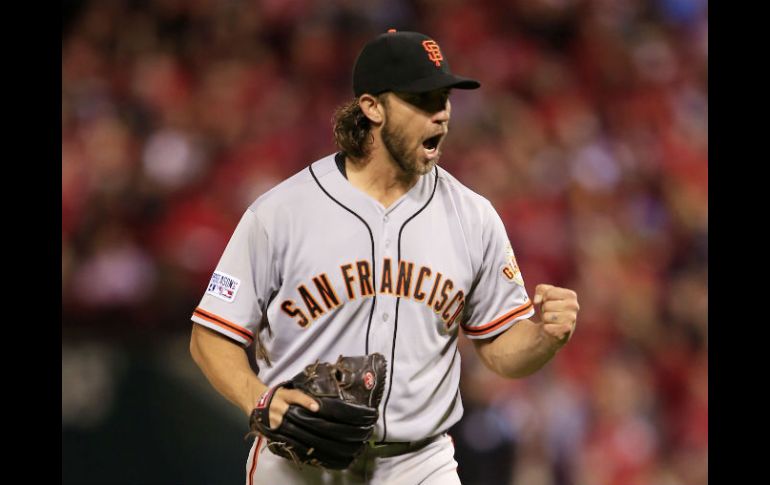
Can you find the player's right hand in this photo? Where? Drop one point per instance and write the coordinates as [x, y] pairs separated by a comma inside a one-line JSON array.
[[285, 397]]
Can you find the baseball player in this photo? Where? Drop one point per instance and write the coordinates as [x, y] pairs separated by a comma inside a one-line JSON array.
[[375, 248]]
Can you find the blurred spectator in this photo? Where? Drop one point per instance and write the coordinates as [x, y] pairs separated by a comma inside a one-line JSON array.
[[117, 272]]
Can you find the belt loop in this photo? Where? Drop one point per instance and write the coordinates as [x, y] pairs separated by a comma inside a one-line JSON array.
[[373, 444]]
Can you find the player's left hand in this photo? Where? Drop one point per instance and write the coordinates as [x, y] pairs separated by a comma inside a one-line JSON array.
[[557, 309]]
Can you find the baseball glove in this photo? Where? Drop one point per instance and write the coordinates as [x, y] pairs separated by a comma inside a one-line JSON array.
[[348, 392]]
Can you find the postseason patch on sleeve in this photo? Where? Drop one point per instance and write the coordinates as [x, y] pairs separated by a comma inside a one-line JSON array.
[[510, 270], [223, 286]]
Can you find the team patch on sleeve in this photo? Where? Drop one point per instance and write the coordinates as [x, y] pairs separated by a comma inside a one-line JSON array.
[[223, 286], [510, 270]]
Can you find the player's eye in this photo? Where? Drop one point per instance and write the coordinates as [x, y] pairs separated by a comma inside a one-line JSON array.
[[431, 102]]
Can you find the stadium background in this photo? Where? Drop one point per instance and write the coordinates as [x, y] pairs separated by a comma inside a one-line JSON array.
[[589, 136]]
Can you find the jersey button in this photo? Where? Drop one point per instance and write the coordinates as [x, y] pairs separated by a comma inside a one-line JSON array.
[[384, 317], [387, 243], [384, 218]]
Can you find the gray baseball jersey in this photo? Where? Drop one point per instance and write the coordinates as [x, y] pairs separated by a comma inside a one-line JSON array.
[[317, 269]]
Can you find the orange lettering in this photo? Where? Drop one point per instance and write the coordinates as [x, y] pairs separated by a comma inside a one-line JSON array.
[[434, 53], [289, 308]]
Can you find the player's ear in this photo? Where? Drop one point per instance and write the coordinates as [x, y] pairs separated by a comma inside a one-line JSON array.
[[372, 107]]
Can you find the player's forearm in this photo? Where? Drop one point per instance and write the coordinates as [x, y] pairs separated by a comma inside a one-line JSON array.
[[225, 365], [518, 352]]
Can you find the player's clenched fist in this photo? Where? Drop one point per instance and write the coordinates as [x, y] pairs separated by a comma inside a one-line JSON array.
[[557, 309]]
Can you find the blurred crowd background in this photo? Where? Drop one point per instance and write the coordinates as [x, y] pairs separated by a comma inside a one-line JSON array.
[[589, 135]]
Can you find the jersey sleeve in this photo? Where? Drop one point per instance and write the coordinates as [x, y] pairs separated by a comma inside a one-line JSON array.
[[240, 287], [499, 298]]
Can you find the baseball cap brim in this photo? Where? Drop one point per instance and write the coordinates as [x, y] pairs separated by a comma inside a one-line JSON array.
[[438, 81]]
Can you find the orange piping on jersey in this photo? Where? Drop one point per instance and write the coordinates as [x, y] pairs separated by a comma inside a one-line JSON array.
[[217, 320], [495, 324], [254, 463]]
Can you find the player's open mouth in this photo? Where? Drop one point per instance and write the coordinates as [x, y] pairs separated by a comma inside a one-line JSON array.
[[431, 144]]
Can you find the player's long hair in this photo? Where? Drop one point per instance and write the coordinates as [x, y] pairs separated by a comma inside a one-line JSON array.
[[351, 130]]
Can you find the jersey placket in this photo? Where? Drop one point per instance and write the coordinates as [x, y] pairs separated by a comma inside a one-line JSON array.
[[392, 224], [387, 252], [382, 334]]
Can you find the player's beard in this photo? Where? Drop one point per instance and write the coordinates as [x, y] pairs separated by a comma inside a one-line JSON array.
[[397, 144]]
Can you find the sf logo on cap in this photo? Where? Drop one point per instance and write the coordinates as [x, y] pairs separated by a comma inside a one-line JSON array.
[[434, 53]]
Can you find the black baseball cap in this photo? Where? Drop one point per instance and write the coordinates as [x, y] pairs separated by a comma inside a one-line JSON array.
[[409, 62]]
